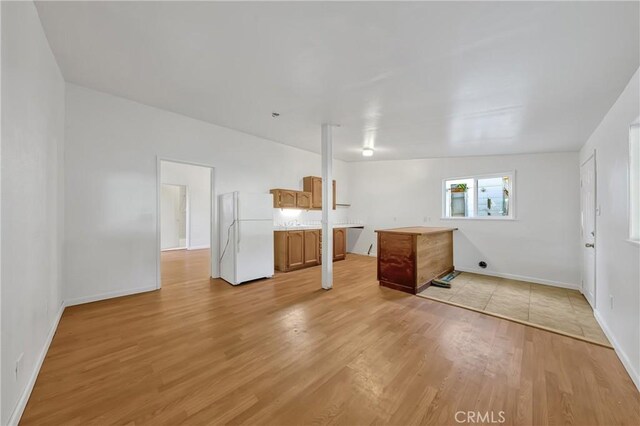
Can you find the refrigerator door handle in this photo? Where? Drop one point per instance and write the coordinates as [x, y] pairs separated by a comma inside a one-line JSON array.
[[237, 224]]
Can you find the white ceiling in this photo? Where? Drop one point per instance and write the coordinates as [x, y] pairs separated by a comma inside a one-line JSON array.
[[419, 79]]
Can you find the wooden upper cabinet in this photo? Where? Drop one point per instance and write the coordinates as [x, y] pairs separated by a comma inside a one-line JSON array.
[[311, 248], [339, 243], [284, 198], [290, 199], [295, 249], [303, 200], [313, 184]]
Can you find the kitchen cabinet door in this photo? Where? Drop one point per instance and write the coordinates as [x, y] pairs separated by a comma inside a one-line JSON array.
[[295, 249], [284, 198], [313, 184], [311, 248], [303, 200], [339, 243]]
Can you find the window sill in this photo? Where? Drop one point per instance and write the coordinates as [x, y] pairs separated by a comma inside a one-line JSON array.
[[633, 242], [480, 218]]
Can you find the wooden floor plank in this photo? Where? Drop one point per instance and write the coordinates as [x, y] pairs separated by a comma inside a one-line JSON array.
[[283, 351]]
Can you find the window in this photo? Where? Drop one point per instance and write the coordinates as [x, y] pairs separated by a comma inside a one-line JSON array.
[[634, 182], [479, 197]]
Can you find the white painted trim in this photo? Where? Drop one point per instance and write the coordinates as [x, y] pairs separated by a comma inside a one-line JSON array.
[[26, 393], [490, 273], [635, 378], [174, 248], [205, 246], [110, 295]]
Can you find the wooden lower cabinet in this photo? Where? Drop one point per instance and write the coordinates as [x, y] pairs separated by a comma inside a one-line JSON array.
[[311, 248], [339, 244], [301, 249]]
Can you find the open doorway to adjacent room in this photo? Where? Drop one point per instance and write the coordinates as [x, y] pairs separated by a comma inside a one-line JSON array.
[[185, 222], [173, 214]]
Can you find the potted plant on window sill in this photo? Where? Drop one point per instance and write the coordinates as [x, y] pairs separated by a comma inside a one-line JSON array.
[[461, 187]]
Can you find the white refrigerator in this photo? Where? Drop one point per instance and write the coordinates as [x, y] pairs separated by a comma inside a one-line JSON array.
[[246, 236]]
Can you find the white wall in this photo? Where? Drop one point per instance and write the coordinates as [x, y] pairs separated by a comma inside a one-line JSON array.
[[32, 209], [110, 168], [617, 260], [541, 245], [198, 182]]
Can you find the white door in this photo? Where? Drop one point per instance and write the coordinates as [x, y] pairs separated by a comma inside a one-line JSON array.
[[588, 219]]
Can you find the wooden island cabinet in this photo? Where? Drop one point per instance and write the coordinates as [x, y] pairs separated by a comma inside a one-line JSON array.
[[302, 248], [410, 258]]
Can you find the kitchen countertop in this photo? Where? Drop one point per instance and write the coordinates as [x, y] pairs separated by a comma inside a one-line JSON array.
[[314, 227], [417, 230]]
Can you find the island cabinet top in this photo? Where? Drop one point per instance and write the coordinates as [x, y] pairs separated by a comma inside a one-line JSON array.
[[417, 230]]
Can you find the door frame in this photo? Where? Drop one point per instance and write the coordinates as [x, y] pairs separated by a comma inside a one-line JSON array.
[[595, 227], [187, 222], [213, 218]]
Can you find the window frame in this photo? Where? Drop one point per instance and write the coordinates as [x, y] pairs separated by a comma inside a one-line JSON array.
[[634, 239], [512, 197]]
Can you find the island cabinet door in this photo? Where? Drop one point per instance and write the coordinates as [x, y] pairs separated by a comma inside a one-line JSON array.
[[311, 248], [295, 249], [396, 261]]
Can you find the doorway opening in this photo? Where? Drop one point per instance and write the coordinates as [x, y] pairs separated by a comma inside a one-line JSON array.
[[186, 230], [173, 217]]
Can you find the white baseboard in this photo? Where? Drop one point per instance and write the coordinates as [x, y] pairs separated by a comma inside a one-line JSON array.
[[26, 393], [520, 278], [174, 248], [206, 246], [110, 295], [635, 378]]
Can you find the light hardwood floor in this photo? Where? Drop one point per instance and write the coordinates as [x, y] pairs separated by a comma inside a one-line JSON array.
[[285, 352]]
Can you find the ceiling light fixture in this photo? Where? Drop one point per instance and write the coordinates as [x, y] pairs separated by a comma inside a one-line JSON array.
[[367, 152]]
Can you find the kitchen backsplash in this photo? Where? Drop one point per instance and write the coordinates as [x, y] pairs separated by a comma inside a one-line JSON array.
[[284, 217]]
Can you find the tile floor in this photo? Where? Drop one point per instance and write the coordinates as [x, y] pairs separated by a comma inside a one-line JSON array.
[[552, 307]]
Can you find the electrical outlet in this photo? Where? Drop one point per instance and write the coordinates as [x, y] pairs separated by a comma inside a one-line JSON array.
[[611, 301], [19, 366]]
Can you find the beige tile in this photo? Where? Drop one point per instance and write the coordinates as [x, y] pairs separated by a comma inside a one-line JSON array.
[[562, 324], [561, 303], [437, 292], [502, 297], [595, 333], [477, 301], [552, 307], [471, 291], [516, 286], [519, 311], [549, 290]]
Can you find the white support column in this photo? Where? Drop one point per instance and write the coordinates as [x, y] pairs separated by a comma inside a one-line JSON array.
[[327, 208]]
